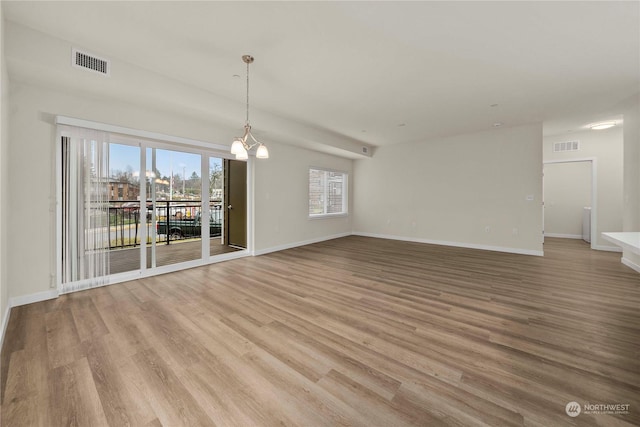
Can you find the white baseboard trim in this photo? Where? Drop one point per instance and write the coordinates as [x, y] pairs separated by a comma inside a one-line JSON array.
[[607, 248], [31, 298], [455, 244], [296, 244], [563, 236], [5, 322], [631, 264]]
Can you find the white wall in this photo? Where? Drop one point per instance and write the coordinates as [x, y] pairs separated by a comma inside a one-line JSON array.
[[606, 147], [4, 143], [567, 190], [631, 198], [282, 198], [31, 261], [450, 190]]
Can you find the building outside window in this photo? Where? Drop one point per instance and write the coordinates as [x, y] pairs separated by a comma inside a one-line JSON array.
[[327, 193]]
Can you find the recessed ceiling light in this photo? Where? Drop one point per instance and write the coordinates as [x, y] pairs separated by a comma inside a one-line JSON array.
[[236, 76], [497, 124], [603, 125], [493, 105]]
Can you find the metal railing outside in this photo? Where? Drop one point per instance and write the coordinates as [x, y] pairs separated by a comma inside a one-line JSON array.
[[175, 219]]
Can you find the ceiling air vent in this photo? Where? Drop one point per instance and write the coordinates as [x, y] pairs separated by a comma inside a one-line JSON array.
[[90, 62], [566, 146]]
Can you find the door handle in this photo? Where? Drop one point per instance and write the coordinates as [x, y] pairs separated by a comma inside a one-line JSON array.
[[229, 207]]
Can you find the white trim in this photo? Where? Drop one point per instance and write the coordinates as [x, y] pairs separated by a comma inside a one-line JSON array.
[[142, 198], [606, 248], [301, 243], [594, 194], [631, 264], [58, 216], [205, 191], [71, 121], [5, 323], [564, 236], [328, 216], [228, 256], [31, 298], [455, 244]]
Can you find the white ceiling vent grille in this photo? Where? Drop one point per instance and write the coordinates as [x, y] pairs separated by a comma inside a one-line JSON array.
[[566, 146], [90, 62]]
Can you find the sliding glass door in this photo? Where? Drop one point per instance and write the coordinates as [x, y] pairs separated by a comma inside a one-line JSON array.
[[123, 193], [119, 220], [215, 188], [175, 207]]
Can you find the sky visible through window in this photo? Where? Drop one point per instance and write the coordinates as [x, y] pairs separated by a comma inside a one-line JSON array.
[[126, 158]]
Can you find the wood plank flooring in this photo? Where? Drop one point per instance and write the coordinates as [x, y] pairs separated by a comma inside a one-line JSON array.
[[354, 331]]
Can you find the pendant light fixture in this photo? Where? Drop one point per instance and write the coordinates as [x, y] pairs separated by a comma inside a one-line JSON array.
[[242, 145]]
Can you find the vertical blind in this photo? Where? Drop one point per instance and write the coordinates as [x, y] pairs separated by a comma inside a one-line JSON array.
[[85, 208]]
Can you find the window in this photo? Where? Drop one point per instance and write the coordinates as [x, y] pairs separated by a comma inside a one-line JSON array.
[[327, 193]]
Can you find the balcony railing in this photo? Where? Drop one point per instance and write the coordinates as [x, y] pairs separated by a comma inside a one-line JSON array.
[[173, 220]]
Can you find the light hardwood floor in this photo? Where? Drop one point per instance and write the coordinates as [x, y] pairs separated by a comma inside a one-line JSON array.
[[353, 331]]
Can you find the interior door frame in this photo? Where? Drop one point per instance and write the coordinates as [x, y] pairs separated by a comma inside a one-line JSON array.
[[249, 213], [594, 194]]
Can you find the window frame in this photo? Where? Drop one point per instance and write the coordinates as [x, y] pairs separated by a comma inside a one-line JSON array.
[[345, 193]]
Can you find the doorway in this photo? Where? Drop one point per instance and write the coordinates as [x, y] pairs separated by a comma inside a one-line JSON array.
[[569, 208], [132, 207], [175, 206], [236, 203]]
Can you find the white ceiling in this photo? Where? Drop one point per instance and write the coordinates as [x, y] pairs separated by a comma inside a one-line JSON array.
[[345, 74]]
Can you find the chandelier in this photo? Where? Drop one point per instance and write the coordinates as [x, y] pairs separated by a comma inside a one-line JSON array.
[[242, 145]]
